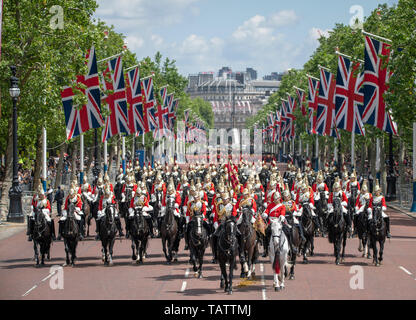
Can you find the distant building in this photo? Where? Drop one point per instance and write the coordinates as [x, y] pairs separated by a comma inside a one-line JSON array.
[[200, 78], [274, 76], [242, 95], [225, 72], [252, 73]]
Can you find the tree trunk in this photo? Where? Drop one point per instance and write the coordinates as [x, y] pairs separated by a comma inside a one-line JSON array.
[[383, 169], [401, 160], [60, 167], [362, 160], [8, 174], [38, 162], [74, 161], [110, 158]]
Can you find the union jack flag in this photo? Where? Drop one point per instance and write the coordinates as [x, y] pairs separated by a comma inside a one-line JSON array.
[[312, 103], [170, 114], [134, 99], [376, 77], [149, 104], [326, 103], [89, 116], [301, 99], [162, 111], [276, 127], [292, 103], [117, 122], [349, 97]]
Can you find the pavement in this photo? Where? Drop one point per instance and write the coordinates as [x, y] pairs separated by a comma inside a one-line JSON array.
[[401, 208], [357, 278]]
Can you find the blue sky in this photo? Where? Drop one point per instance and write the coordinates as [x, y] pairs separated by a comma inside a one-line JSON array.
[[205, 35]]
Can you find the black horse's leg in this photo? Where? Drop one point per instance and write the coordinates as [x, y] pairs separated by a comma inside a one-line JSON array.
[[375, 251], [111, 245], [381, 250], [164, 247], [223, 283], [66, 251], [344, 243], [133, 256], [230, 276]]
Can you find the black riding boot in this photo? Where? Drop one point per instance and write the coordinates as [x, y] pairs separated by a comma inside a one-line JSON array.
[[97, 229], [186, 237], [29, 229], [300, 226], [150, 224], [317, 223], [266, 242], [355, 224], [289, 236], [127, 220], [120, 230], [60, 228], [52, 228], [349, 222], [387, 221], [80, 237]]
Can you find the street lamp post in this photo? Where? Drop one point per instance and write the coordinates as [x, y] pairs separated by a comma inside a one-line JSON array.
[[96, 170], [15, 192]]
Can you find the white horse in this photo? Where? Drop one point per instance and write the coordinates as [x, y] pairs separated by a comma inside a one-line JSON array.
[[278, 252]]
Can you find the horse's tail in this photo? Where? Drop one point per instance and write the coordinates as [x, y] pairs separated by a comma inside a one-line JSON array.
[[276, 263]]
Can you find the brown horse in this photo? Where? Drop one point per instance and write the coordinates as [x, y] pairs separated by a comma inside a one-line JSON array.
[[169, 231], [249, 247]]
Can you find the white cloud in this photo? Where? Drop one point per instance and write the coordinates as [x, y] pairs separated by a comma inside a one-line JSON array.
[[283, 18], [315, 33], [156, 40], [134, 42]]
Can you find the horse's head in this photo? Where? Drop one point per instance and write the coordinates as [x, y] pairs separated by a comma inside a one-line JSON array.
[[198, 224], [230, 229], [277, 231], [110, 212], [306, 212]]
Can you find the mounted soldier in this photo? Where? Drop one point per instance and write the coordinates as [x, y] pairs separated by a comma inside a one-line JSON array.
[[74, 198], [107, 199], [338, 193], [305, 196], [246, 202], [379, 200], [137, 171], [297, 185], [42, 205], [139, 200], [353, 192], [172, 193]]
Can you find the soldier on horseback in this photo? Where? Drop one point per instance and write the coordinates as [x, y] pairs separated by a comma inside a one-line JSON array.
[[305, 196], [140, 200], [246, 202], [128, 192], [172, 193], [107, 199], [74, 198], [379, 200], [338, 193], [353, 192], [292, 212], [43, 205]]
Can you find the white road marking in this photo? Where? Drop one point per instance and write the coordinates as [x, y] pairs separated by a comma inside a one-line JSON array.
[[186, 272], [33, 288], [263, 283], [407, 271], [183, 286]]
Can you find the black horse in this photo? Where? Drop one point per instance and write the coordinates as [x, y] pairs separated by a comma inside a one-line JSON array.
[[361, 225], [87, 217], [41, 236], [70, 234], [308, 230], [249, 247], [297, 243], [124, 208], [157, 208], [139, 231], [322, 212], [108, 231], [198, 242], [378, 233], [337, 230], [169, 231], [227, 250]]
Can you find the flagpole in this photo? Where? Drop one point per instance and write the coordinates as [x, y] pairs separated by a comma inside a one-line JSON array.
[[144, 150], [346, 56], [378, 158], [375, 36], [123, 157], [353, 150], [413, 208], [45, 169], [81, 159], [316, 153], [325, 68], [312, 77], [105, 157], [109, 58]]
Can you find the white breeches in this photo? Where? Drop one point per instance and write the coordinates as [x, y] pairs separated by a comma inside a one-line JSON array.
[[318, 195], [78, 213], [358, 211], [312, 210], [101, 213], [240, 219], [331, 207], [383, 214], [45, 213], [144, 211], [175, 212]]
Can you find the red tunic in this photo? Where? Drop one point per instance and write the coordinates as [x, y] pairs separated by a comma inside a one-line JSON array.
[[216, 217], [100, 205], [315, 187], [275, 210], [349, 184], [78, 204], [146, 202], [331, 198]]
